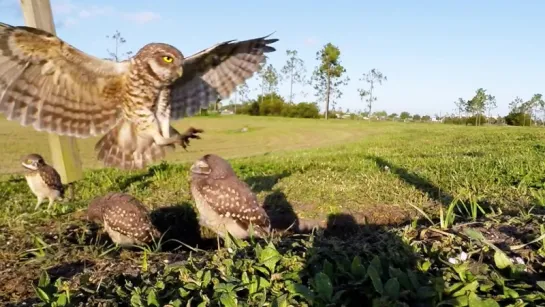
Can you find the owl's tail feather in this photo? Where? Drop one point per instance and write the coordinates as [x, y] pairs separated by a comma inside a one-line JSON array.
[[123, 148]]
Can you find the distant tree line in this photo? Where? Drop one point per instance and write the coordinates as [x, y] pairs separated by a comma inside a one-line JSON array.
[[327, 80], [275, 105], [477, 111]]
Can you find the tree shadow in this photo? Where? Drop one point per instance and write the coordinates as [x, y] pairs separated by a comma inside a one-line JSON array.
[[415, 180], [180, 223], [345, 250], [265, 183], [283, 217], [279, 209]]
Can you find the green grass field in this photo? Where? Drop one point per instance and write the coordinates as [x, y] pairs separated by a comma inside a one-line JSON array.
[[391, 202]]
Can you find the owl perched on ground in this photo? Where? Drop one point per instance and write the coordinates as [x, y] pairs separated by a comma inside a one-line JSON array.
[[43, 179], [54, 87], [226, 203], [125, 219]]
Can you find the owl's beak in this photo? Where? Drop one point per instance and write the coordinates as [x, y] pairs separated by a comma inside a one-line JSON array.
[[195, 169], [28, 166]]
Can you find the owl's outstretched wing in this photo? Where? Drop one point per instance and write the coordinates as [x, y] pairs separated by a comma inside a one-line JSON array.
[[47, 83], [216, 72]]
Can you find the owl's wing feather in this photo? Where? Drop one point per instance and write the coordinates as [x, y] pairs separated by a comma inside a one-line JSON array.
[[128, 216], [234, 199], [215, 73], [52, 178], [49, 84]]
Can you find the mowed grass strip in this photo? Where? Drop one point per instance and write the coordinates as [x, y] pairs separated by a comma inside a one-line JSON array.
[[372, 170]]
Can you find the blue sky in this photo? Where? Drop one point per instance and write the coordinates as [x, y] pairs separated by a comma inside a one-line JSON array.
[[432, 51]]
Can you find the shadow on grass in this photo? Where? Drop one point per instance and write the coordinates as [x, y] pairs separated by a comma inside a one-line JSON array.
[[415, 180], [279, 209], [179, 223], [365, 264], [265, 183], [283, 217]]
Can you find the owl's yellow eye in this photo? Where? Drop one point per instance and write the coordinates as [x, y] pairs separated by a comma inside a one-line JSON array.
[[167, 59]]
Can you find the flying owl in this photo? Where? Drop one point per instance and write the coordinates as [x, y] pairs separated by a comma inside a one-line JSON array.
[[125, 219], [226, 203], [43, 179], [54, 87]]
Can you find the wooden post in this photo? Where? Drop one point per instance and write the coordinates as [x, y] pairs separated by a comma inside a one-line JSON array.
[[64, 150]]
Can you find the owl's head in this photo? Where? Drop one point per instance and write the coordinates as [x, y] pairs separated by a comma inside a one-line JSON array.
[[32, 161], [94, 210], [211, 166], [162, 61]]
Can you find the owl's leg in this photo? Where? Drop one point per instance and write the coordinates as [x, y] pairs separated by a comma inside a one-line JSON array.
[[51, 199], [40, 200], [176, 138], [218, 241]]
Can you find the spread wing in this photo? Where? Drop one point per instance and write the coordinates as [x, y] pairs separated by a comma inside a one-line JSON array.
[[47, 83], [216, 72]]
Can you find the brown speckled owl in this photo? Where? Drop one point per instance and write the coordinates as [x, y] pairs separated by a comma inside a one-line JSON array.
[[226, 203], [125, 219], [43, 179], [54, 87]]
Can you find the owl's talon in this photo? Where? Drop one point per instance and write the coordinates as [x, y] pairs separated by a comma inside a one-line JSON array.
[[190, 133]]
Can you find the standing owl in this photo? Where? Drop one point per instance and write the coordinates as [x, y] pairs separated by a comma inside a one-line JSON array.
[[43, 179], [226, 203], [125, 219], [54, 87]]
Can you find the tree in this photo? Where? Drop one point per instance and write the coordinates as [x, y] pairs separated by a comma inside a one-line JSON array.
[[327, 75], [540, 102], [490, 104], [404, 115], [460, 106], [271, 79], [372, 77], [426, 118], [520, 113], [416, 117], [294, 70], [242, 93], [477, 104], [119, 40], [380, 114], [392, 116], [530, 106], [516, 104]]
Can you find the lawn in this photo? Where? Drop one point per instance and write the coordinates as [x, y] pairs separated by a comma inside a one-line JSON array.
[[379, 209]]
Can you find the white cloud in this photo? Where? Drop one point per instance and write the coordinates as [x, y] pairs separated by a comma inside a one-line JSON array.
[[95, 11], [69, 22], [62, 7], [141, 17], [68, 13], [311, 41]]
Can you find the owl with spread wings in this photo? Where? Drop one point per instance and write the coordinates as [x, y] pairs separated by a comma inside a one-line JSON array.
[[54, 87]]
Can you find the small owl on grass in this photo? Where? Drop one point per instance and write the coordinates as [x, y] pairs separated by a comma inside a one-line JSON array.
[[224, 202], [43, 180], [125, 219]]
